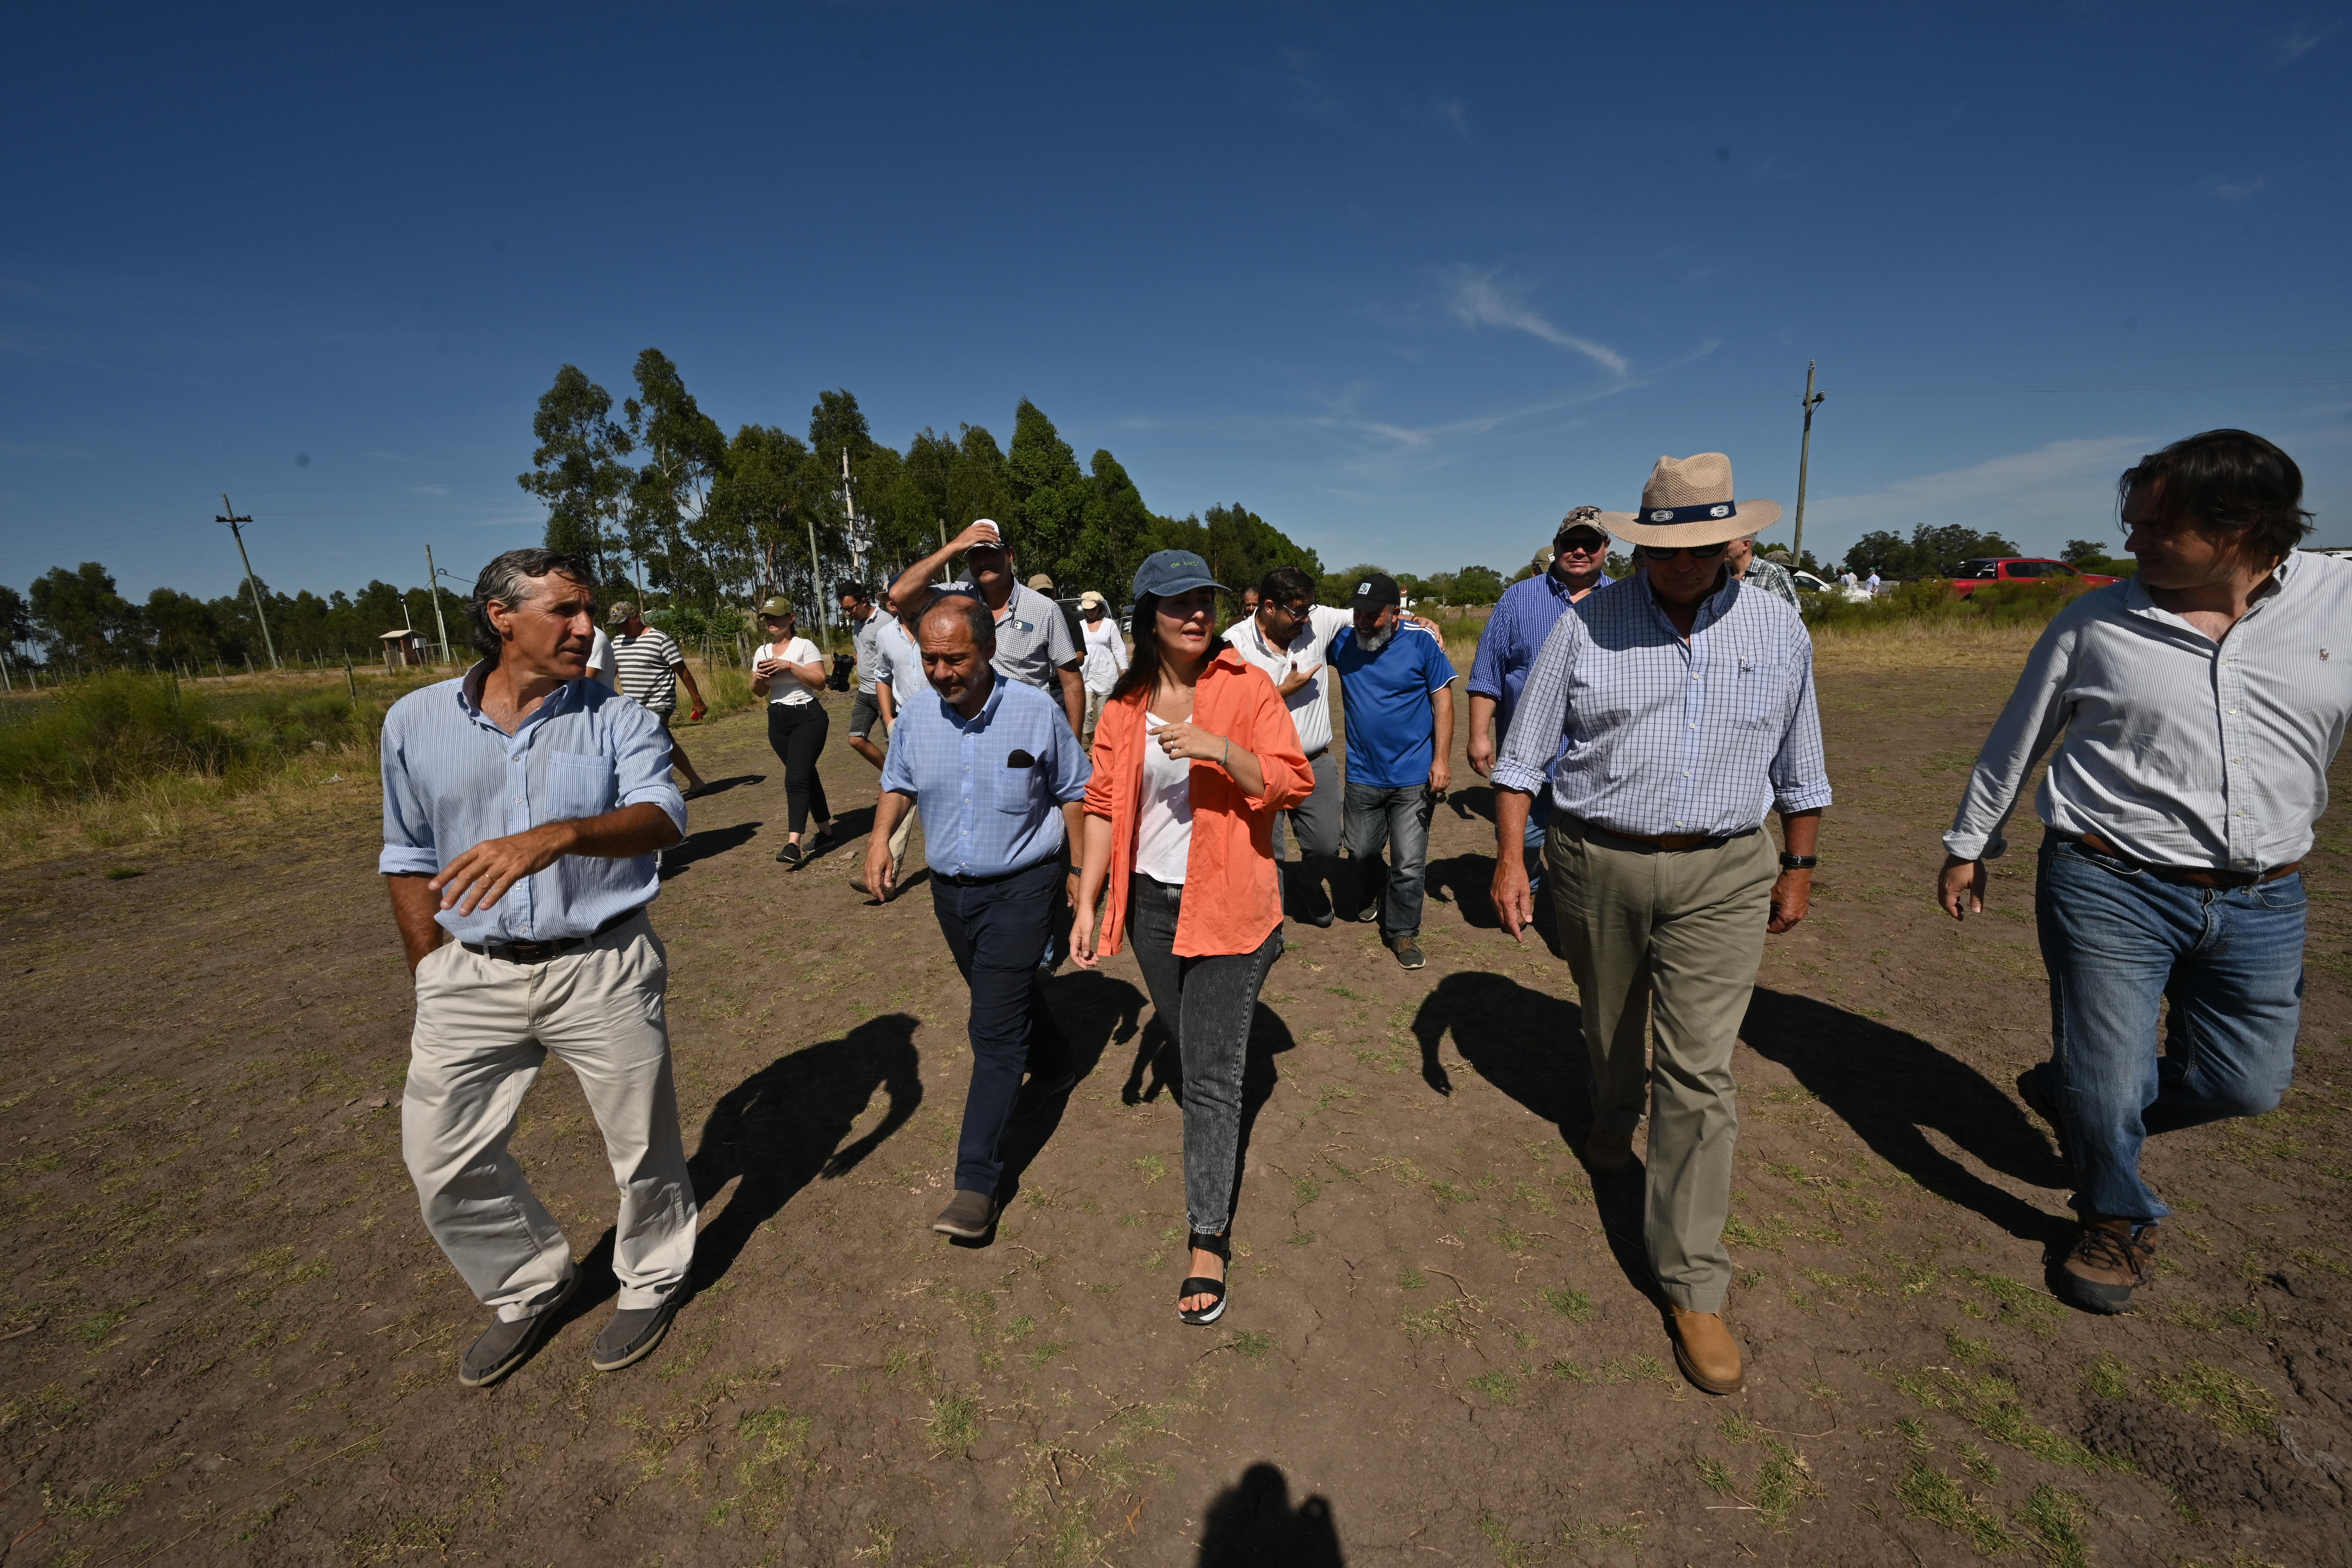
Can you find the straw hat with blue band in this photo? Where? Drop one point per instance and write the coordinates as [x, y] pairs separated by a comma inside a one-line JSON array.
[[1688, 501]]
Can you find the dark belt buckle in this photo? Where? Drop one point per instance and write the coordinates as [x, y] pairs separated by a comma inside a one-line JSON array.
[[533, 952]]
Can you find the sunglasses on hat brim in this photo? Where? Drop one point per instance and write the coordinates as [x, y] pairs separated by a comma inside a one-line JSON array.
[[1668, 552]]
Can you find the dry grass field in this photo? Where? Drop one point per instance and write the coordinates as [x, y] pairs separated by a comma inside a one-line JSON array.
[[227, 1338]]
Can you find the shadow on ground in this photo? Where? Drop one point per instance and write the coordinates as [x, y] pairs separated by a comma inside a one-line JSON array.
[[677, 860], [1252, 1523], [1891, 1086]]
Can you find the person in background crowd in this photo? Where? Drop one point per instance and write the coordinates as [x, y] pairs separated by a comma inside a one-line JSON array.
[[1663, 717], [602, 663], [866, 624], [789, 671], [1758, 573], [1874, 585], [1195, 754], [1514, 633], [1035, 644], [1105, 657], [1846, 579], [1397, 683], [523, 774], [1249, 602], [1044, 586], [1286, 637], [898, 667], [2201, 712], [649, 666], [999, 773]]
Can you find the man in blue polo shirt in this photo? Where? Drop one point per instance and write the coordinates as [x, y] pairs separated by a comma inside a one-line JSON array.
[[1397, 683], [1000, 774]]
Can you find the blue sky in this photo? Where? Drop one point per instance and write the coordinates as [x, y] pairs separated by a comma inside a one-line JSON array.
[[1409, 282]]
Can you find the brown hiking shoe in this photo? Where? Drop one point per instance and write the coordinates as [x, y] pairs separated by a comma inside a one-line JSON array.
[[1611, 1154], [1705, 1351], [2110, 1260]]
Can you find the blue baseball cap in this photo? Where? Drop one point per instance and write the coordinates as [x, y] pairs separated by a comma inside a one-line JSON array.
[[1167, 572]]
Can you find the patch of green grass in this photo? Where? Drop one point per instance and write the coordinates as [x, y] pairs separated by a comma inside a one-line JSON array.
[[1568, 1370], [2050, 1514], [1046, 1352], [90, 1505], [1253, 1345], [1966, 1351], [2107, 1377], [2014, 1301], [1152, 1166], [1915, 1434], [1514, 1242], [1509, 1551], [1304, 1189], [1991, 1406], [955, 1423], [1574, 1305], [123, 873], [1741, 1429], [1980, 1464], [1765, 1237], [1448, 1193], [2237, 1405], [1451, 1318], [1718, 1477], [1497, 1386], [1783, 1480], [1411, 1280], [1927, 1492]]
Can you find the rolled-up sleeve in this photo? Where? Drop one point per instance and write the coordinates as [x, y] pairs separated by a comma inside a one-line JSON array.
[[1541, 716], [641, 753], [1485, 665], [408, 847], [2036, 713], [1801, 771], [1273, 738], [1073, 769]]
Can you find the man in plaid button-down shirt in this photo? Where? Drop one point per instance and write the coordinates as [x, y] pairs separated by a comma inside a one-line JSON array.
[[1665, 717]]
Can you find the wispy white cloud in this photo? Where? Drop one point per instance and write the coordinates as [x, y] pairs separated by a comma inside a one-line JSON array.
[[2290, 44], [1484, 299], [2071, 482], [2223, 189]]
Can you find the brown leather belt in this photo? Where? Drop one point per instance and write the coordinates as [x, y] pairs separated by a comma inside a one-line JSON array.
[[1662, 840], [2187, 876], [545, 952]]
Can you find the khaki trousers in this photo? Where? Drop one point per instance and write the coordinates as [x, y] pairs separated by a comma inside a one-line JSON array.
[[1673, 937], [484, 1028]]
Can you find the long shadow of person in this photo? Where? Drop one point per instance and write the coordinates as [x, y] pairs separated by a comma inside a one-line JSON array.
[[1091, 1009], [783, 1127], [1889, 1086], [1531, 1046], [1252, 1523], [702, 846]]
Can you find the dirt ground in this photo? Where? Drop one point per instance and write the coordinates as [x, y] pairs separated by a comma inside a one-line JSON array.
[[228, 1340]]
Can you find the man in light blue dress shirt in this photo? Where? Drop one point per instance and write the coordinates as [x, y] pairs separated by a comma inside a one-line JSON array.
[[1665, 716], [524, 804], [1001, 776]]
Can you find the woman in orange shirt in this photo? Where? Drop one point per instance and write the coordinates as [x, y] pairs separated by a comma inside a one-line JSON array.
[[1194, 753]]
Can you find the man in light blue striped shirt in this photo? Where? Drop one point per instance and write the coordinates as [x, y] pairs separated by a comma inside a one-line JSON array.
[[1000, 774], [1666, 716], [524, 806]]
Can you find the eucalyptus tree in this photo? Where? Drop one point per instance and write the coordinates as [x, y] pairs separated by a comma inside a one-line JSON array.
[[578, 472], [685, 450]]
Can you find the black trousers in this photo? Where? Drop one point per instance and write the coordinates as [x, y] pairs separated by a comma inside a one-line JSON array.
[[997, 932], [797, 731]]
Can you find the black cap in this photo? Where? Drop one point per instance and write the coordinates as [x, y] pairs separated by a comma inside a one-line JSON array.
[[1380, 588]]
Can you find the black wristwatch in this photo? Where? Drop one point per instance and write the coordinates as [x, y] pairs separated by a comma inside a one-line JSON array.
[[1797, 862]]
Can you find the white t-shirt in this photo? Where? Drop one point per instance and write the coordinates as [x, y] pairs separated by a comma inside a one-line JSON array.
[[1163, 829], [602, 662], [784, 686], [1106, 654], [1310, 705]]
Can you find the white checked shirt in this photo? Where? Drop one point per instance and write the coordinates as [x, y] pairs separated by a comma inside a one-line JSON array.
[[2178, 751], [1657, 736]]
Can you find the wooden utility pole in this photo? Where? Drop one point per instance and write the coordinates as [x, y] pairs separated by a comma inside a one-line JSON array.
[[433, 590], [1804, 457], [235, 523]]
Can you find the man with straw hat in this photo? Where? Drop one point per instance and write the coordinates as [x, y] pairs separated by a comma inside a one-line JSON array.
[[1663, 718]]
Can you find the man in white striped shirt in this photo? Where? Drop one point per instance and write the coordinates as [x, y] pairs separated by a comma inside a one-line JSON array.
[[2202, 703], [648, 667]]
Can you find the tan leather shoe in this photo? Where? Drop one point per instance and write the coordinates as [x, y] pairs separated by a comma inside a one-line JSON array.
[[1705, 1351], [1609, 1153]]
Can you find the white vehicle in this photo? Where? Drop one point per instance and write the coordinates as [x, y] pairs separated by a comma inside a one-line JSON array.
[[1808, 584]]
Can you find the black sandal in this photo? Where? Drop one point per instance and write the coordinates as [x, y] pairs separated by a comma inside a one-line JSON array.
[[1219, 1247]]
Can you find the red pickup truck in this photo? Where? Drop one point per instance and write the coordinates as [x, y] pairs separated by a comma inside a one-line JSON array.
[[1975, 574]]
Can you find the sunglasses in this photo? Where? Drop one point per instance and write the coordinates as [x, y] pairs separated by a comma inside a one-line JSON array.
[[1668, 552], [1583, 543]]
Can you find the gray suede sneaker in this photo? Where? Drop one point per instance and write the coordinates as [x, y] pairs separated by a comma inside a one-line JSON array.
[[968, 1218], [504, 1346], [635, 1333]]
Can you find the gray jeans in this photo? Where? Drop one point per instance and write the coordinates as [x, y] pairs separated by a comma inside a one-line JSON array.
[[1205, 1004], [1400, 819], [1315, 821]]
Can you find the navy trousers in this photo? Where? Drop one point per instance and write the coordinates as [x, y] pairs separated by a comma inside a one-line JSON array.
[[998, 931]]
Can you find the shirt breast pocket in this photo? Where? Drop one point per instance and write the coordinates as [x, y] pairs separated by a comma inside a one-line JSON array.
[[1761, 692], [1016, 787], [577, 785]]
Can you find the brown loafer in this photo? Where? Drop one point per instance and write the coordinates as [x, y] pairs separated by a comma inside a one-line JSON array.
[[1609, 1153], [1706, 1353]]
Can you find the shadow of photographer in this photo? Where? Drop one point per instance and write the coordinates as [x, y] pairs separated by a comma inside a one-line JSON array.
[[1251, 1521]]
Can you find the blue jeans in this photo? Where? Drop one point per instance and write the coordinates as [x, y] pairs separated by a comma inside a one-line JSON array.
[[2118, 943], [1397, 818]]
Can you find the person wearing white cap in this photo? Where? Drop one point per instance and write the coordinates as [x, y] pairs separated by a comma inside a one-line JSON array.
[[1034, 644], [1663, 717], [1106, 657]]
